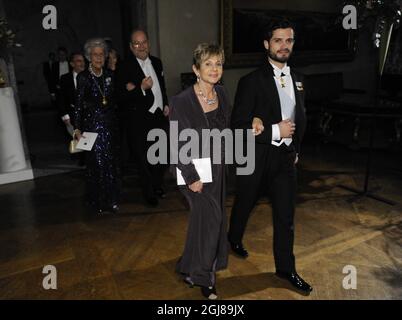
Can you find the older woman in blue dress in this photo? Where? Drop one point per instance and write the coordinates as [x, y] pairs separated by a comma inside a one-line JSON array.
[[95, 112]]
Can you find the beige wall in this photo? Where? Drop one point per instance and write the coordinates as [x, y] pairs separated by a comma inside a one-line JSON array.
[[182, 25]]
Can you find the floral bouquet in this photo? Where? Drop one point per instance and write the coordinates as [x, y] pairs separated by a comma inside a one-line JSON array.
[[7, 36], [7, 40]]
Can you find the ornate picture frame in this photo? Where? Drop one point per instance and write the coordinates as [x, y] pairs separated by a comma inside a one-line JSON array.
[[320, 36]]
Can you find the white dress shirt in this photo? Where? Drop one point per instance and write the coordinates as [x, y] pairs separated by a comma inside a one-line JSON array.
[[149, 71], [63, 68], [289, 90]]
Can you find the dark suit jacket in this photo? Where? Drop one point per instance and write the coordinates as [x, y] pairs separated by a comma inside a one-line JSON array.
[[55, 77], [130, 71], [67, 95], [257, 96], [48, 74]]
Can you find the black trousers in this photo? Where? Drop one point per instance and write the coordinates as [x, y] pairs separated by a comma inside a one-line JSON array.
[[275, 176], [138, 126]]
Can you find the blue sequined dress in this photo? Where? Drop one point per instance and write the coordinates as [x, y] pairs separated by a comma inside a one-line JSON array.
[[92, 115]]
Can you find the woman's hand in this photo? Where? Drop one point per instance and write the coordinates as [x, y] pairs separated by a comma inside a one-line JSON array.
[[258, 126], [78, 135], [196, 186]]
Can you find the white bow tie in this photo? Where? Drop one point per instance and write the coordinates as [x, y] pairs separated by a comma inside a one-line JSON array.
[[283, 72]]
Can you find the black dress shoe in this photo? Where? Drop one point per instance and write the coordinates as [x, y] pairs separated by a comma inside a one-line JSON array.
[[296, 281], [160, 193], [239, 250]]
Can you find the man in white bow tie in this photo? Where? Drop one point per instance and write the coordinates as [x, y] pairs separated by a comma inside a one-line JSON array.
[[141, 91], [270, 100]]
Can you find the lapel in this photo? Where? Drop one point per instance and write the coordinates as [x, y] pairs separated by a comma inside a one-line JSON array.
[[298, 97], [271, 90], [197, 109], [157, 69], [137, 72], [71, 80]]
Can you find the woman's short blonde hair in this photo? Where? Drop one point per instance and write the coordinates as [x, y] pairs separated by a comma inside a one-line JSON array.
[[206, 50]]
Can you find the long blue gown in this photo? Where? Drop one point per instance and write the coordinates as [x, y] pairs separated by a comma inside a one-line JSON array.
[[91, 115]]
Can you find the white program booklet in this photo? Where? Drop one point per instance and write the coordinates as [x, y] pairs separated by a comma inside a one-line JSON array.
[[204, 170], [88, 142]]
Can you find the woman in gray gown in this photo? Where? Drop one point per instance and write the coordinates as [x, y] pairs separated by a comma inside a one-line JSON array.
[[203, 106]]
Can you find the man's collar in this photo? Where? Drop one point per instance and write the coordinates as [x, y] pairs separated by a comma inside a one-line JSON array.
[[277, 68], [144, 62]]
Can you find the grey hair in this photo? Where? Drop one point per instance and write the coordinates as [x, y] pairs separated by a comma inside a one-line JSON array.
[[93, 43]]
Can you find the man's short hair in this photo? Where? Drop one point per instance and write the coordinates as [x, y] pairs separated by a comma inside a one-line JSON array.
[[62, 49], [77, 53], [138, 30], [276, 23]]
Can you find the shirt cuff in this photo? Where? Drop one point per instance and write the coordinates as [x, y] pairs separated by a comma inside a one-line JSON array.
[[276, 133], [143, 92], [65, 117]]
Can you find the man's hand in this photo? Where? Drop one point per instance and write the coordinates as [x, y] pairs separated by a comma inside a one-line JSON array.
[[166, 111], [147, 83], [130, 86], [196, 186], [258, 126], [287, 128]]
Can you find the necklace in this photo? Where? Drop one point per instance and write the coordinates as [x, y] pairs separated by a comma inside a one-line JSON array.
[[103, 93], [203, 97], [93, 72]]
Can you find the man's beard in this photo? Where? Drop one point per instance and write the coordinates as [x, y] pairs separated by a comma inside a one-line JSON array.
[[274, 57]]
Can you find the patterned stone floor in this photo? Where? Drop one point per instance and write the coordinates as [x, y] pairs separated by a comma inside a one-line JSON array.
[[132, 255]]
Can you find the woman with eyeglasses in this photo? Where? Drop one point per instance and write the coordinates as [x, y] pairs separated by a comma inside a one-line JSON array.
[[95, 112]]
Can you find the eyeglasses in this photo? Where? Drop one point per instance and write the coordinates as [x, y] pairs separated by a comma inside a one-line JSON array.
[[137, 44], [98, 55]]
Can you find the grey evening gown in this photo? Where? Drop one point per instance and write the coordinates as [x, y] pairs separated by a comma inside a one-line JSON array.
[[206, 247]]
